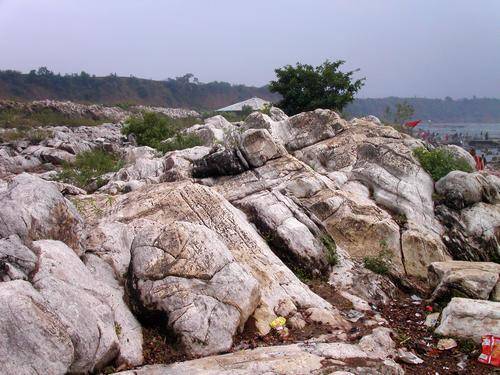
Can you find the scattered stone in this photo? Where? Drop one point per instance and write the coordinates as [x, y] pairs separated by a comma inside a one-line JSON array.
[[354, 315], [431, 320], [446, 344], [408, 357]]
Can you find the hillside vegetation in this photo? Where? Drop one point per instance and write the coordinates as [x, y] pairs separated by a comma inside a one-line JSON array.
[[187, 92], [184, 91]]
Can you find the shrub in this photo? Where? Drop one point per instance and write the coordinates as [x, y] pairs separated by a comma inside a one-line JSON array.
[[438, 162], [331, 249], [89, 166], [151, 129], [379, 263]]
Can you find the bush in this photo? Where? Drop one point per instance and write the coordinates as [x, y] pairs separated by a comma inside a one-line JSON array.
[[438, 162], [90, 166], [151, 129], [380, 263]]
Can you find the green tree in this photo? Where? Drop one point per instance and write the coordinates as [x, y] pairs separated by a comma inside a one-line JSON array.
[[404, 111], [304, 87]]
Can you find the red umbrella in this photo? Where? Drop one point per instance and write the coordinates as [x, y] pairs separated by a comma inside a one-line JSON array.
[[412, 124]]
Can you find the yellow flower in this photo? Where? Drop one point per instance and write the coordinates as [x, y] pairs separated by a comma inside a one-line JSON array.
[[278, 323]]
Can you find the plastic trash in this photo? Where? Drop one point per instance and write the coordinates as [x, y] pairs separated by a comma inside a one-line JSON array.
[[490, 353]]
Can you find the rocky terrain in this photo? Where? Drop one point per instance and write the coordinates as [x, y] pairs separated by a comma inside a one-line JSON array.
[[185, 262]]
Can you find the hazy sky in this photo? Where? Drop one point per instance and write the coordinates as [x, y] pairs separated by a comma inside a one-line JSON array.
[[428, 48]]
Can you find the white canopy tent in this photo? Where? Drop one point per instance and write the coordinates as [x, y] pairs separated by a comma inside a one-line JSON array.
[[255, 103]]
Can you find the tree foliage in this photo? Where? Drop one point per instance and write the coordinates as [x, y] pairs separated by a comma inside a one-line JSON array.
[[304, 87]]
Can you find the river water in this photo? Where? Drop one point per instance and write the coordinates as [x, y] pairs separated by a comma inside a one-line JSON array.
[[467, 129]]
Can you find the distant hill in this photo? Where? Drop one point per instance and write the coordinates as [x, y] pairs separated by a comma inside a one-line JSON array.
[[183, 91], [438, 110], [187, 92]]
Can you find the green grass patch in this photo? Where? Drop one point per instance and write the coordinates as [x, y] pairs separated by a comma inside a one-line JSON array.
[[379, 263], [89, 166], [15, 118], [34, 136], [331, 249], [153, 130], [438, 162]]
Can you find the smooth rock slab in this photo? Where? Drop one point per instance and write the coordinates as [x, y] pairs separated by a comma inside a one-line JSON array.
[[32, 338], [295, 359], [470, 318]]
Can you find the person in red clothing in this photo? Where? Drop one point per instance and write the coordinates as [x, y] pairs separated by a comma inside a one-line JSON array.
[[477, 159]]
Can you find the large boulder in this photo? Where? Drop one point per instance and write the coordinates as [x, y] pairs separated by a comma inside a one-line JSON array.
[[370, 356], [461, 189], [258, 147], [220, 162], [459, 153], [127, 328], [469, 318], [74, 295], [33, 209], [33, 340], [185, 270], [473, 233], [301, 130], [382, 160], [295, 207], [167, 207], [214, 130], [476, 280]]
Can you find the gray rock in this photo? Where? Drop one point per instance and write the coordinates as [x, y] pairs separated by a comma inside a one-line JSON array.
[[215, 129], [460, 153], [470, 319], [220, 162], [475, 280], [32, 338], [408, 357], [461, 189], [258, 147], [76, 298], [16, 260], [188, 272], [127, 328], [160, 206], [34, 209], [472, 233]]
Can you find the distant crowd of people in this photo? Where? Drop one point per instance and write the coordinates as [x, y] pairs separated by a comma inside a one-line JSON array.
[[455, 138]]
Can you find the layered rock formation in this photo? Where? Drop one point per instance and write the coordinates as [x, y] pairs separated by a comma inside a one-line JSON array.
[[217, 240]]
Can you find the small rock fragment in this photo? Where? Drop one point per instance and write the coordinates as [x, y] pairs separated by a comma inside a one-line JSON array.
[[408, 357], [431, 320], [446, 344]]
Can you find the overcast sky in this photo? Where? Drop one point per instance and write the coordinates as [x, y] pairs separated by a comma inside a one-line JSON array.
[[430, 48]]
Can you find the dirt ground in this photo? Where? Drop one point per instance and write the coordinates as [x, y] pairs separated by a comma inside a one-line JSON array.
[[404, 316]]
